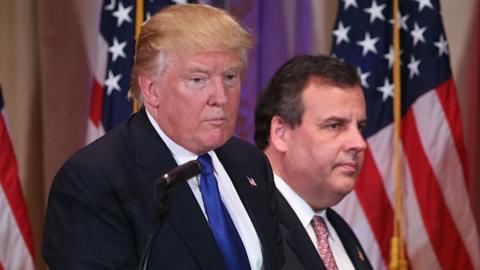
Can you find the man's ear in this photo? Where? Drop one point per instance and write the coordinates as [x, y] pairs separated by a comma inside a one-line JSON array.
[[149, 90], [279, 133]]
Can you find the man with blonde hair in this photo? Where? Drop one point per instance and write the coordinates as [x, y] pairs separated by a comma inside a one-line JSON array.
[[187, 72]]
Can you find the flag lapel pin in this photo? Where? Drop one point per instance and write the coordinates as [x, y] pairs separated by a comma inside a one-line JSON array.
[[252, 182], [360, 255]]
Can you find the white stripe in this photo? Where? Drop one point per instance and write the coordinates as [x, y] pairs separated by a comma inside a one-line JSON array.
[[419, 248], [93, 132], [440, 149], [14, 253], [354, 215], [100, 64]]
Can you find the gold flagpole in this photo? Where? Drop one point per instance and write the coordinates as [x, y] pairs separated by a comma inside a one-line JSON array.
[[139, 18], [397, 250]]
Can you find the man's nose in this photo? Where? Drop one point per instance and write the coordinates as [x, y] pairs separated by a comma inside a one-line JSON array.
[[356, 141], [218, 94]]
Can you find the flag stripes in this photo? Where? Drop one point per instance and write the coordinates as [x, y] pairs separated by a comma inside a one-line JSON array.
[[371, 193], [446, 94], [16, 244], [435, 214], [438, 225]]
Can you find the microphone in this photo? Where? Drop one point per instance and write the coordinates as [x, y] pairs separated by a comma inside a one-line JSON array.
[[162, 200], [180, 173]]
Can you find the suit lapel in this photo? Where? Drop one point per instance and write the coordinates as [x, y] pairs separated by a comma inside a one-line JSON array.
[[239, 172], [189, 221], [349, 241], [154, 159], [297, 238]]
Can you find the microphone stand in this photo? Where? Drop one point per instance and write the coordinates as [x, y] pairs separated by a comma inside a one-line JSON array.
[[163, 201], [162, 204]]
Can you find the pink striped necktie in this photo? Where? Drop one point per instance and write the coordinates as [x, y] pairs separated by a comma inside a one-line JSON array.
[[323, 246]]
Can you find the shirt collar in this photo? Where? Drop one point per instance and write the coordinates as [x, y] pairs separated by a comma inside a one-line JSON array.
[[301, 208], [180, 154]]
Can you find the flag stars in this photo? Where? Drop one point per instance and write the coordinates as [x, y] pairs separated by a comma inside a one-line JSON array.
[[363, 78], [375, 12], [110, 6], [424, 3], [442, 46], [148, 16], [117, 49], [391, 57], [402, 21], [417, 34], [386, 89], [413, 67], [112, 82], [341, 33], [349, 3], [122, 14], [368, 44]]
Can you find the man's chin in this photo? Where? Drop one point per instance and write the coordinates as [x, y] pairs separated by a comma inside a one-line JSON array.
[[214, 141], [347, 184]]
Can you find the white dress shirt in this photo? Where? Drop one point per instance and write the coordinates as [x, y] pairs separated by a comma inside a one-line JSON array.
[[305, 214], [229, 195]]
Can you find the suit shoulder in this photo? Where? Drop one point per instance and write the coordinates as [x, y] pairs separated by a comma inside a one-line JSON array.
[[238, 145], [103, 151]]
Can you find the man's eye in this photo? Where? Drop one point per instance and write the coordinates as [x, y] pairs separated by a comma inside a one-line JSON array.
[[197, 82], [231, 79], [361, 126], [334, 126]]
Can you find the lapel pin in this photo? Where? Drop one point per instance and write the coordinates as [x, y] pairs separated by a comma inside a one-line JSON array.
[[360, 255], [252, 182]]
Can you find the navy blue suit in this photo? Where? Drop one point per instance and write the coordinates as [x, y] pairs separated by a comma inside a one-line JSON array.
[[101, 210]]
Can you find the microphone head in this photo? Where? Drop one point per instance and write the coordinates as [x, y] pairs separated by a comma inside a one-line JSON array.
[[182, 173]]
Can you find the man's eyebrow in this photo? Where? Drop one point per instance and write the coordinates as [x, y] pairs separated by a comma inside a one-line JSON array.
[[335, 119], [238, 66], [198, 69]]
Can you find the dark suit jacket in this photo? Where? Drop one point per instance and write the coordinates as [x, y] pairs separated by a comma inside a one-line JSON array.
[[300, 253], [100, 207]]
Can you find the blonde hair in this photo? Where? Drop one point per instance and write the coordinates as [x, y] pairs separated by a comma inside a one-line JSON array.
[[186, 27]]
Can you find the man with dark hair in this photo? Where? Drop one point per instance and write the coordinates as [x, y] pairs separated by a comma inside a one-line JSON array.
[[309, 122]]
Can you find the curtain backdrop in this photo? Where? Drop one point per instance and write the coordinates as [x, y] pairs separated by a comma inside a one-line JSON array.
[[45, 75]]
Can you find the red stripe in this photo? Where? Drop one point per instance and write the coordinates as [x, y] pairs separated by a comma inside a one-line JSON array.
[[441, 229], [447, 94], [374, 201], [11, 186], [96, 103]]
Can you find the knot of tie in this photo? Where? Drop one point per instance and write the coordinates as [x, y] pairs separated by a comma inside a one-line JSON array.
[[207, 165]]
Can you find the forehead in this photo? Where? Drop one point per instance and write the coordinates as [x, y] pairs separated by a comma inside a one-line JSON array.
[[205, 61], [325, 100]]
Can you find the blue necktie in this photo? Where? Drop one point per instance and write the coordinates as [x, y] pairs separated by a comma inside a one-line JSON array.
[[226, 235]]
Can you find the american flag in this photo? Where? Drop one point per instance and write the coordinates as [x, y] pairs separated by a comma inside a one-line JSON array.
[[16, 244], [115, 55], [438, 225]]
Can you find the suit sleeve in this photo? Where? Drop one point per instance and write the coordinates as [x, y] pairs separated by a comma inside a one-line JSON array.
[[85, 226]]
